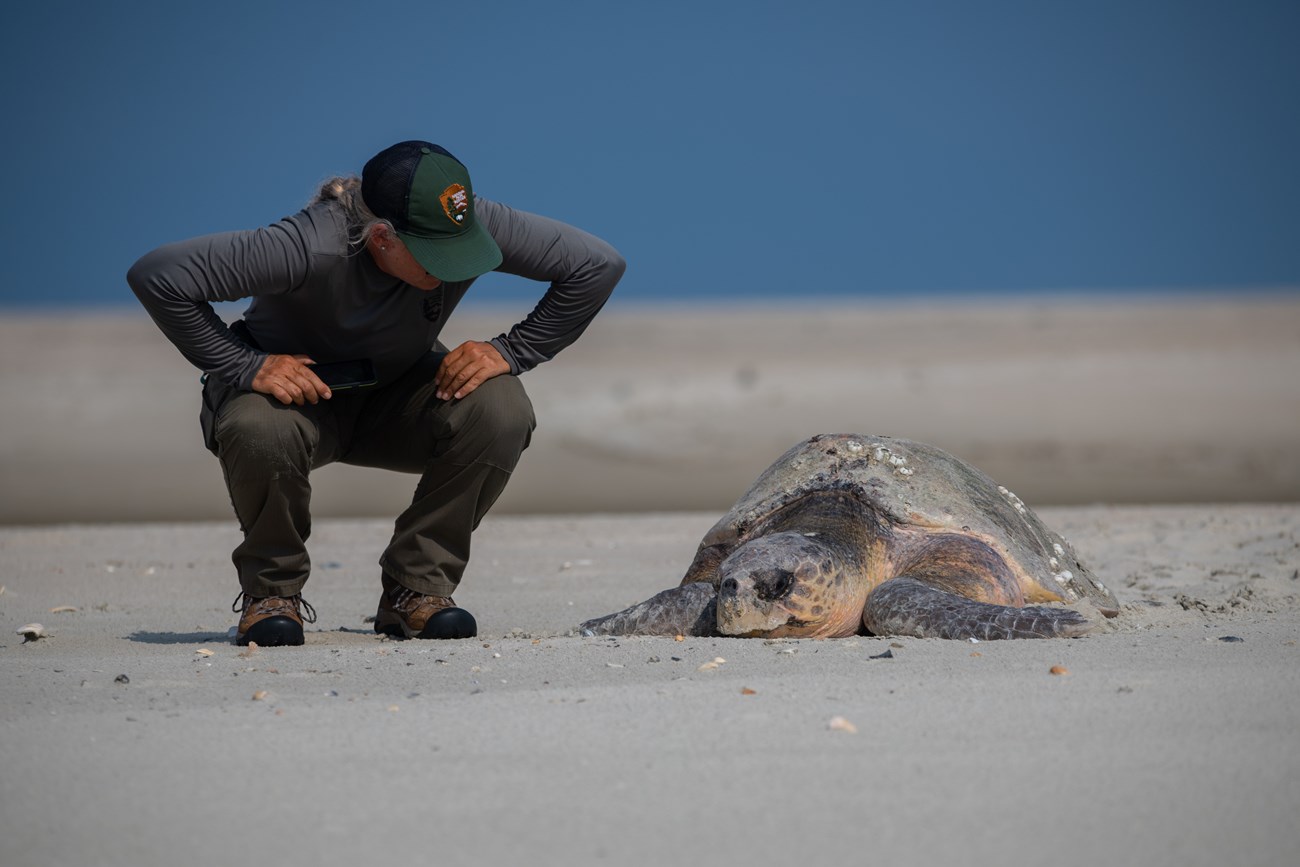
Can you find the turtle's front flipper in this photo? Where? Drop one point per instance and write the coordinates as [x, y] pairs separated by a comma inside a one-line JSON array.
[[690, 609], [905, 606]]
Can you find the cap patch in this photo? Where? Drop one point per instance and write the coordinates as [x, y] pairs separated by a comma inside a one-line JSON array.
[[455, 203]]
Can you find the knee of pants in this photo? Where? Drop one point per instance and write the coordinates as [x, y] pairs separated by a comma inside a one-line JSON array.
[[255, 435], [498, 422]]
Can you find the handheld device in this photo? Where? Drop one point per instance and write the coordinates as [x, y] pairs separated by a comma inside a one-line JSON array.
[[340, 375]]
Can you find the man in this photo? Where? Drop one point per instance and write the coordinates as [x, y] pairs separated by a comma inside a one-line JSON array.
[[371, 269]]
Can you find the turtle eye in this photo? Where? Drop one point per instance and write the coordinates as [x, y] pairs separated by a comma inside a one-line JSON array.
[[772, 584]]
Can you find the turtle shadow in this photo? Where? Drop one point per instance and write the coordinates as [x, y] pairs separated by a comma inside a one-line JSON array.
[[177, 637]]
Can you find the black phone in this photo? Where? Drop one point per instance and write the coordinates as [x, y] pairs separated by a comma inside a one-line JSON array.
[[339, 375]]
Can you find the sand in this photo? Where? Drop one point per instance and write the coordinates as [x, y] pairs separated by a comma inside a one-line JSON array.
[[1158, 437], [1168, 742]]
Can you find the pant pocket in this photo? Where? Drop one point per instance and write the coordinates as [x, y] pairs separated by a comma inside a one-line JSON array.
[[214, 394]]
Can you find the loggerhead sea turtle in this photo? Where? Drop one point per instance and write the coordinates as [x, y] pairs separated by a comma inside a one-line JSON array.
[[848, 533]]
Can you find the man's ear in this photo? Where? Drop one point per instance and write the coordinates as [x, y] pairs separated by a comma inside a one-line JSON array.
[[380, 236]]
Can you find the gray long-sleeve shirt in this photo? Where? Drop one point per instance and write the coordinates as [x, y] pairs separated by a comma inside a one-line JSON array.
[[316, 294]]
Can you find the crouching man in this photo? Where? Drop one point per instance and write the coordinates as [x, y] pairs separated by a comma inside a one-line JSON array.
[[370, 271]]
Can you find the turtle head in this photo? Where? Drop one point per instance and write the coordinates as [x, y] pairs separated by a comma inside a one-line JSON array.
[[786, 584]]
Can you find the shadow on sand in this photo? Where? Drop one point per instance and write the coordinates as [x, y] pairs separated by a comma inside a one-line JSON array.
[[228, 637], [178, 637]]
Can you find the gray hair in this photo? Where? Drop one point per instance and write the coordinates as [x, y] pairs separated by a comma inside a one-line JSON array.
[[346, 191]]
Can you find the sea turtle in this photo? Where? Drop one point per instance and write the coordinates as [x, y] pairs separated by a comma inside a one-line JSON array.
[[848, 533]]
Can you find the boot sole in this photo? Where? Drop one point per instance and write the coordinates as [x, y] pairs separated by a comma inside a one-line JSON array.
[[273, 632], [449, 623]]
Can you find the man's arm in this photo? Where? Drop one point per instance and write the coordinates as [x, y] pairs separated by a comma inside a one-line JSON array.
[[581, 269], [177, 282]]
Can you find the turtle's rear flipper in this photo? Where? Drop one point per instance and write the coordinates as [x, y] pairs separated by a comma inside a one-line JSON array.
[[905, 606], [690, 609]]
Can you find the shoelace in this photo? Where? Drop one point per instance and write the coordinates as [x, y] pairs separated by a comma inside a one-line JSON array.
[[408, 598], [243, 600]]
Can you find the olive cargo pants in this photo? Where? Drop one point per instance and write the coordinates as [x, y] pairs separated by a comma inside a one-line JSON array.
[[464, 451]]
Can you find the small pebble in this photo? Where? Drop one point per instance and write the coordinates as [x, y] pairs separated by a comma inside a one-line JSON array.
[[121, 678]]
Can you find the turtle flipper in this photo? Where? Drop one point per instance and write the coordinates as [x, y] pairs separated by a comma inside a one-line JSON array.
[[905, 606], [690, 609]]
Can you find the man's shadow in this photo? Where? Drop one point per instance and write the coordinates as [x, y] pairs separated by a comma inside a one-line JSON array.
[[178, 637], [207, 637]]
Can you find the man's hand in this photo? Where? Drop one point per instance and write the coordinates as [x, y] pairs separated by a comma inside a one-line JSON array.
[[467, 367], [289, 379]]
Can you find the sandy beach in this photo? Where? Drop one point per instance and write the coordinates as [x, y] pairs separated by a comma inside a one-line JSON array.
[[1171, 740], [1159, 436]]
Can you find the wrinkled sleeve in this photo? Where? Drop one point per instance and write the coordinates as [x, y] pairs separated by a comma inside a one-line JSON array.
[[177, 282], [581, 269]]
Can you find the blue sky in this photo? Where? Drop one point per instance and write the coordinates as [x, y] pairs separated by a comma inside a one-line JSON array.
[[729, 149]]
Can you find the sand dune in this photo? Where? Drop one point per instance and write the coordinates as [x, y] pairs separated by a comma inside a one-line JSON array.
[[1065, 402]]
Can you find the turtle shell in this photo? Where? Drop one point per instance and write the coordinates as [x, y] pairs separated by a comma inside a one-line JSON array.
[[915, 485]]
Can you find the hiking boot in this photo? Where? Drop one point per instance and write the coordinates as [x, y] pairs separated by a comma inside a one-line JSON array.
[[271, 621], [405, 613]]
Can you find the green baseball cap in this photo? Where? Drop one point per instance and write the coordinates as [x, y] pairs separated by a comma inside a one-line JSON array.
[[426, 194]]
